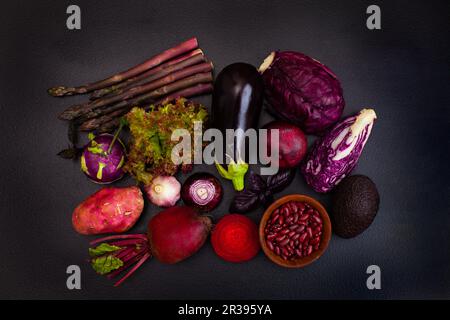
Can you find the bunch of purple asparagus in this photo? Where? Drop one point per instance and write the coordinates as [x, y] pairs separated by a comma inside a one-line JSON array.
[[182, 71]]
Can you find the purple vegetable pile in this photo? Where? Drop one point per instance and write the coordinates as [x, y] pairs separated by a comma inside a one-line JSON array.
[[303, 94]]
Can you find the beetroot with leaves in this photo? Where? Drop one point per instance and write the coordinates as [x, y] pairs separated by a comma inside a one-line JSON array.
[[173, 235], [302, 90]]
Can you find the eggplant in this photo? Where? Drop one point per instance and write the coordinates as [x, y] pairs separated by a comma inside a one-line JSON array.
[[237, 103]]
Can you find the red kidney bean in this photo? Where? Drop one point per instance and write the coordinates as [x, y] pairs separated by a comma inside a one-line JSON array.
[[314, 241], [317, 230], [304, 217], [294, 230], [300, 206], [275, 218], [271, 236], [317, 219], [277, 250], [309, 231], [303, 237]]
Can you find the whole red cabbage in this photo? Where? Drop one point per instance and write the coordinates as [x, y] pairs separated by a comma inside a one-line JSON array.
[[302, 90]]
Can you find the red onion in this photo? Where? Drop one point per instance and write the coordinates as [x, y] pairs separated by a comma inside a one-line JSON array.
[[203, 191]]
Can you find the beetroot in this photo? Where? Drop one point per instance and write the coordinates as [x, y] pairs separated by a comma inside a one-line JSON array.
[[235, 238], [177, 233], [173, 235], [292, 143]]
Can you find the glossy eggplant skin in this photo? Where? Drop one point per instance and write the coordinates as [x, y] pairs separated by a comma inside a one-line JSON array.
[[237, 99]]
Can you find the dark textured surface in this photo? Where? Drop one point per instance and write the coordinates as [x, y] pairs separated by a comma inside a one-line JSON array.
[[402, 71]]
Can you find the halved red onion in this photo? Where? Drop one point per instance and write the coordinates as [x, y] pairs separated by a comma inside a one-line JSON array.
[[203, 191]]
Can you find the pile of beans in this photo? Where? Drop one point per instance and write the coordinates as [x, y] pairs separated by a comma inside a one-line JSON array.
[[293, 230]]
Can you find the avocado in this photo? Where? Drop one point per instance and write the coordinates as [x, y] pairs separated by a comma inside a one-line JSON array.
[[355, 204]]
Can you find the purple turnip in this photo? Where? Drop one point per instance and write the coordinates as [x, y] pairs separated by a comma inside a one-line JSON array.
[[292, 143]]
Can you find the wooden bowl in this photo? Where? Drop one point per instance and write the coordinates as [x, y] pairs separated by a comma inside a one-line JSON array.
[[326, 232]]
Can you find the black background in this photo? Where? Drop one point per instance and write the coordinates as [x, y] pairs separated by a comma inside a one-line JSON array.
[[402, 71]]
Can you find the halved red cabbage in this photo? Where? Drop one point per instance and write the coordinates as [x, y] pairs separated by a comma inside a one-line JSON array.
[[332, 157]]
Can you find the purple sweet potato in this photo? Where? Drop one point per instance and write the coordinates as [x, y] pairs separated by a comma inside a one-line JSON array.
[[109, 210]]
